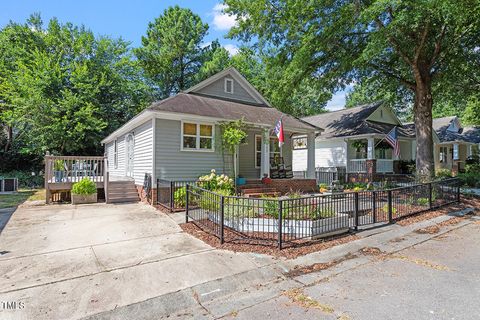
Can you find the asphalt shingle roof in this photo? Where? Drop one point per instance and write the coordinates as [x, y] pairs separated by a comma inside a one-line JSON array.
[[467, 134], [195, 104], [352, 122]]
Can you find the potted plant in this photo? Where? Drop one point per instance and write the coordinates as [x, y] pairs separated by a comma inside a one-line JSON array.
[[84, 191], [58, 170], [241, 180]]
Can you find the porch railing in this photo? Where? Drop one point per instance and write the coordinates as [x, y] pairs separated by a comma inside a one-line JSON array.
[[62, 171], [360, 165]]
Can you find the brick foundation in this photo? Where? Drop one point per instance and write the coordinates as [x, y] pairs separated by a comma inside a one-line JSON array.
[[292, 185], [143, 196]]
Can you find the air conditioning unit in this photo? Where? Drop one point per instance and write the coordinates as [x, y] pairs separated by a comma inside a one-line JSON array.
[[8, 184]]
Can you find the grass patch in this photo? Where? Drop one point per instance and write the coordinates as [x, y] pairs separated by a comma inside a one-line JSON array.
[[15, 199]]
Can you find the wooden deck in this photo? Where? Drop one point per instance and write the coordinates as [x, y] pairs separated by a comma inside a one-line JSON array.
[[61, 172]]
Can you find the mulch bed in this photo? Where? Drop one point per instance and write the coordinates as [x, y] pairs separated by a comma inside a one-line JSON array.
[[465, 202], [237, 242], [290, 250]]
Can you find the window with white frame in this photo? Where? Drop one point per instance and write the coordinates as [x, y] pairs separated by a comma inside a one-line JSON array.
[[274, 150], [228, 86], [115, 154], [197, 136]]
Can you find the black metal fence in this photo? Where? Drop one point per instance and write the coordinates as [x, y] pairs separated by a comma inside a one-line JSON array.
[[171, 194], [281, 220]]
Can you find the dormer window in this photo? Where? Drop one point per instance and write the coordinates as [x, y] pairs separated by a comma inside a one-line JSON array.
[[228, 85]]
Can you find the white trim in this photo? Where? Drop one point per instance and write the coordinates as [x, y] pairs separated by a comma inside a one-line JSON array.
[[154, 154], [226, 81], [238, 77], [197, 136]]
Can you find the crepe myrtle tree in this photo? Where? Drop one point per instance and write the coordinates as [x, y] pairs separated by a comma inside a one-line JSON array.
[[411, 43]]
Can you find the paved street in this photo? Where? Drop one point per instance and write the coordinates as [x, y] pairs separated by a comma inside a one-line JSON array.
[[436, 279], [133, 262]]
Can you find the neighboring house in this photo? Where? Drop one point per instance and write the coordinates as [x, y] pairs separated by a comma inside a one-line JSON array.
[[178, 138], [354, 137], [456, 143]]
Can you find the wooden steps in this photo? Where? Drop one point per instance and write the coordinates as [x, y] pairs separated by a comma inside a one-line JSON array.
[[122, 191], [251, 191]]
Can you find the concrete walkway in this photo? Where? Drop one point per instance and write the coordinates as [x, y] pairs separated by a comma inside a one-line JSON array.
[[68, 262]]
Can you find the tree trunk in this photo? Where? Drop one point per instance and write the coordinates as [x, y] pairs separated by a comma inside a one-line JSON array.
[[423, 127]]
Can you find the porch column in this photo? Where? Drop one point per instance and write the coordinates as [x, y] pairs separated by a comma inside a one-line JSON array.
[[414, 149], [311, 155], [265, 152], [371, 148], [469, 150]]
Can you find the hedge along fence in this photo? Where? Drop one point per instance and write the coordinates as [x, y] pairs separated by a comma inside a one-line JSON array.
[[171, 194], [284, 219]]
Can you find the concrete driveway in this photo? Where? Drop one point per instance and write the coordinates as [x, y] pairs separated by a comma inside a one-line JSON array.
[[68, 262]]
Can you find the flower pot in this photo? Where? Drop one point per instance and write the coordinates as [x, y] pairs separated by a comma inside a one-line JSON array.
[[241, 181], [84, 198]]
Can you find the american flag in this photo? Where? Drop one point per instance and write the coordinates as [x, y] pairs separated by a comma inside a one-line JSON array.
[[278, 131], [392, 139]]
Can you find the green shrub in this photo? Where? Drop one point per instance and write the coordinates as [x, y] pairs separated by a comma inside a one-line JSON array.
[[180, 197], [271, 207], [443, 174], [214, 182], [323, 186], [84, 187], [211, 202], [423, 201], [385, 209], [470, 179], [322, 213]]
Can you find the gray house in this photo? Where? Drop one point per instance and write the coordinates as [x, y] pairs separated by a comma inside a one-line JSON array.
[[178, 138]]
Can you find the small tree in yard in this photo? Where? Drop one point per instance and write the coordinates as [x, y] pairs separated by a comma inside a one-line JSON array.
[[410, 43]]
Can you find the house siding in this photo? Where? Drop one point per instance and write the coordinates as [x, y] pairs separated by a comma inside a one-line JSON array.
[[143, 152], [119, 171], [172, 163], [247, 157], [142, 156], [217, 89], [327, 154], [383, 114]]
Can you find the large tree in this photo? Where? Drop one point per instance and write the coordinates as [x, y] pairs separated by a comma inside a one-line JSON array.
[[62, 89], [173, 50], [408, 42]]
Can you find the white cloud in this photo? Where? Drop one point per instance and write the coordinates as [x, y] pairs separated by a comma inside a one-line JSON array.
[[231, 48], [221, 20]]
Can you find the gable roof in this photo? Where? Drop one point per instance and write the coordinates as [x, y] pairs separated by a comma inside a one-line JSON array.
[[232, 72], [194, 104], [354, 121], [466, 134]]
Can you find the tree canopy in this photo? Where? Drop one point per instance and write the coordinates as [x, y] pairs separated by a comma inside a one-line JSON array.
[[406, 44]]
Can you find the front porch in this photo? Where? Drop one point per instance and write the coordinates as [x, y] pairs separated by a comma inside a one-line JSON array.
[[452, 156], [261, 156], [374, 155]]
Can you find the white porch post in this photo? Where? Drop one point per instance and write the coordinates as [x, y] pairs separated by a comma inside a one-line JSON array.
[[456, 153], [414, 149], [311, 155], [470, 150], [371, 148], [265, 152]]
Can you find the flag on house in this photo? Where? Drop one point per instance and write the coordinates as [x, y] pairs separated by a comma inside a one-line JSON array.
[[278, 131], [392, 139]]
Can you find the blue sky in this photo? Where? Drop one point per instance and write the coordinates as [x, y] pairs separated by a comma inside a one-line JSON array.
[[127, 19]]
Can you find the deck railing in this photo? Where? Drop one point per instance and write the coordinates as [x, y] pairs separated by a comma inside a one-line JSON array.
[[62, 171], [360, 165]]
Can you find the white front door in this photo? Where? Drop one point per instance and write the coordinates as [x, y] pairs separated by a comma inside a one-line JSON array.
[[130, 144]]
